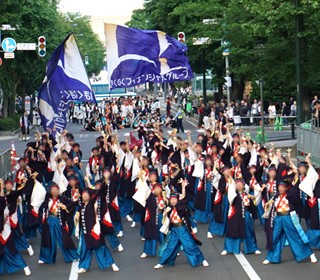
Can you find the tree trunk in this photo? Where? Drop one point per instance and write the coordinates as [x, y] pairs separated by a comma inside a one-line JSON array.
[[5, 106]]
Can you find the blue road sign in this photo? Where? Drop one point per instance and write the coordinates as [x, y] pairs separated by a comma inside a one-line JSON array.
[[9, 45]]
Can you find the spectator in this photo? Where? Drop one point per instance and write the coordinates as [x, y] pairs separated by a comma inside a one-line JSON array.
[[272, 113], [285, 111], [316, 114], [24, 125], [195, 104], [236, 115], [255, 112], [243, 113], [293, 109], [315, 99]]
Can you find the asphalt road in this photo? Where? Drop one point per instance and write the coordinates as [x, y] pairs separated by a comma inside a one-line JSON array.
[[132, 267]]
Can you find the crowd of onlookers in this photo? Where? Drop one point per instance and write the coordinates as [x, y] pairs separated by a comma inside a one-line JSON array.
[[240, 113], [117, 113]]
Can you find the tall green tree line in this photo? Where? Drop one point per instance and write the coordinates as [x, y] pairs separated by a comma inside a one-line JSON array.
[[23, 75], [262, 37]]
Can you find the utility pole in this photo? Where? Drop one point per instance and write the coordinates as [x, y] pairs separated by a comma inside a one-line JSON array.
[[204, 85], [298, 63], [262, 111], [228, 78]]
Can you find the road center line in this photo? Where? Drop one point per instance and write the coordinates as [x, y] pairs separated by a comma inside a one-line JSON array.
[[73, 273], [247, 267]]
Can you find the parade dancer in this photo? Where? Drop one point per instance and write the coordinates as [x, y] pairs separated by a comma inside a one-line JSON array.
[[126, 185], [240, 226], [91, 237], [220, 204], [55, 230], [93, 165], [205, 194], [109, 186], [283, 224], [155, 205], [12, 198], [140, 163], [181, 233], [311, 187], [101, 194], [10, 259]]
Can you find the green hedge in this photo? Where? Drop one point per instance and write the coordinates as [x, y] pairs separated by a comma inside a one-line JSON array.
[[10, 124]]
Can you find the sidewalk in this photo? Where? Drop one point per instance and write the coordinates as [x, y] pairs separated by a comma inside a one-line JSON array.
[[279, 138]]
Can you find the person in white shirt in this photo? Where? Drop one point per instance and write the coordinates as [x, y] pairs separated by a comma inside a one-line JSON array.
[[272, 113]]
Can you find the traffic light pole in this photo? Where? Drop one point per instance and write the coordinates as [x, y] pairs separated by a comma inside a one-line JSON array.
[[262, 111], [204, 84], [228, 76], [298, 64]]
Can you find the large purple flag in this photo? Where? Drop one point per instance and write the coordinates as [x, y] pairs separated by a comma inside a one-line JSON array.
[[66, 80], [139, 56]]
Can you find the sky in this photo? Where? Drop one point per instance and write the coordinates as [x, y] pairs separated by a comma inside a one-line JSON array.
[[102, 11], [112, 8]]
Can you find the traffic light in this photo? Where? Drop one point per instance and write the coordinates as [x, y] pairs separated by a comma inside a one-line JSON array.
[[42, 46], [181, 37], [228, 82], [86, 60]]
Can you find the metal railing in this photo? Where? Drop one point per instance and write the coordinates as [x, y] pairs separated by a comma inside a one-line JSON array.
[[308, 140], [5, 164]]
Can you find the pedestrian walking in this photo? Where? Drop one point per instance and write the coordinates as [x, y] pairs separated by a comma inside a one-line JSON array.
[[24, 126], [179, 119]]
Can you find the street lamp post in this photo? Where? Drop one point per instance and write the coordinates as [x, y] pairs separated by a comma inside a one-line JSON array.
[[204, 84], [298, 63], [228, 77], [262, 110]]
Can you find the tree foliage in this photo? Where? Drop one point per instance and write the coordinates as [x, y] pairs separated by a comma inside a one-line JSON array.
[[32, 18], [262, 36]]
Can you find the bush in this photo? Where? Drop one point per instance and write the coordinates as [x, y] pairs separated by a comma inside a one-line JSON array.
[[10, 124]]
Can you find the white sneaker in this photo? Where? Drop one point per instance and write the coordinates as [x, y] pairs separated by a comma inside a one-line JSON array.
[[143, 256], [258, 252], [143, 239], [205, 263], [224, 253], [115, 268], [81, 270], [129, 219], [120, 234], [266, 262], [195, 230], [40, 262], [209, 235], [30, 251], [27, 271], [133, 225], [158, 266], [120, 248], [313, 258]]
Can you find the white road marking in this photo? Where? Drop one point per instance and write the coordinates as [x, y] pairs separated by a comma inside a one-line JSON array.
[[73, 273], [247, 267]]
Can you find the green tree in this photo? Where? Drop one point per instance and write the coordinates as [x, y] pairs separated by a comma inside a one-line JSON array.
[[88, 42], [33, 18], [262, 37]]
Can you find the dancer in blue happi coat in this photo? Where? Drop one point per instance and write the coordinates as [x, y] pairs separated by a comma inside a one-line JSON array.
[[91, 237], [10, 259], [240, 226], [283, 224], [55, 230], [181, 234]]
